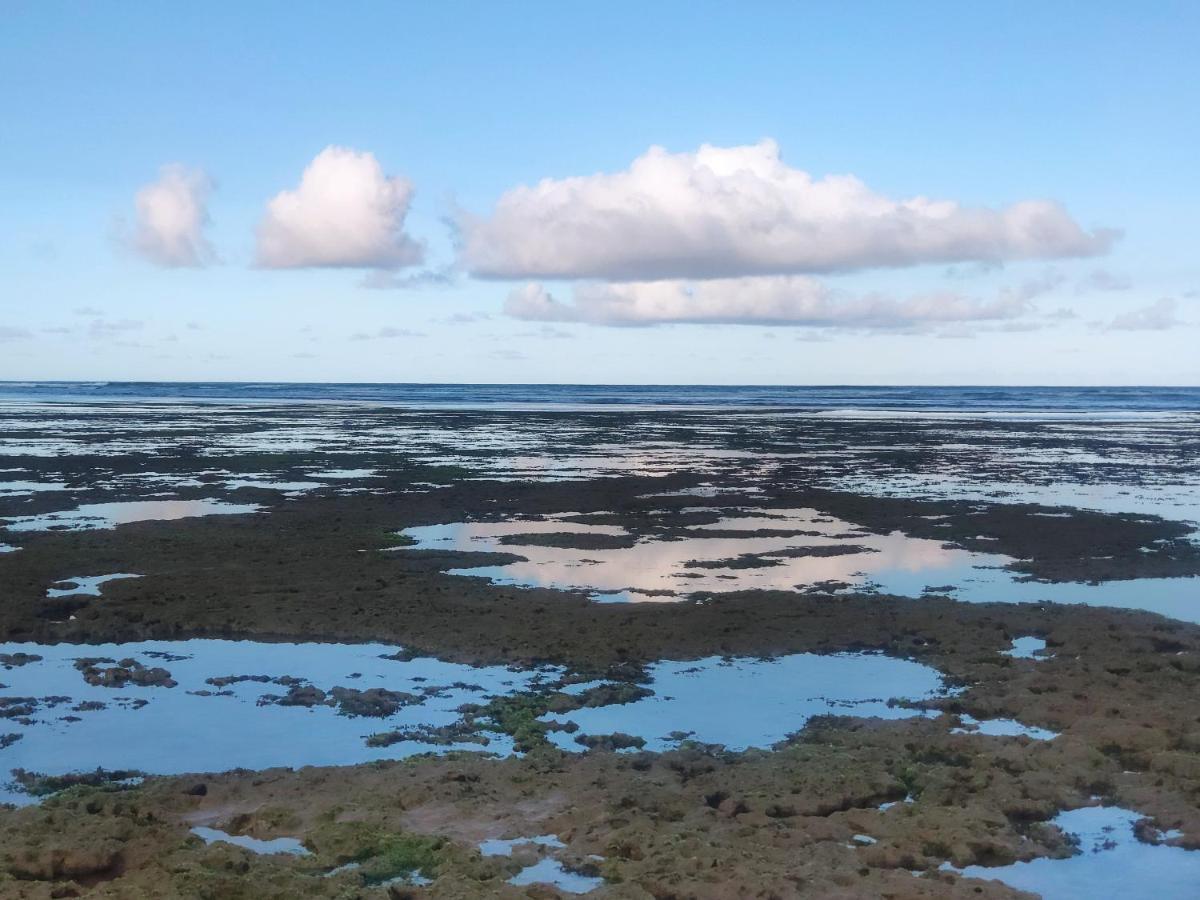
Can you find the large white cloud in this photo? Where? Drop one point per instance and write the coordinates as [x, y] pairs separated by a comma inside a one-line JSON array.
[[736, 211], [771, 300], [171, 215], [345, 213]]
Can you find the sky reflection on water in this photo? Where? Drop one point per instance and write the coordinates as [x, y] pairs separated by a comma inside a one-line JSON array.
[[665, 568], [1112, 863]]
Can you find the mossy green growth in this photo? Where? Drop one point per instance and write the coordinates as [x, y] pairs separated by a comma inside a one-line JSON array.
[[910, 777], [517, 715], [381, 854], [402, 854], [38, 785]]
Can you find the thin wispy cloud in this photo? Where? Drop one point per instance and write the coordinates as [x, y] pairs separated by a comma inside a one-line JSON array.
[[466, 318], [508, 355], [345, 213], [726, 212], [1158, 316], [391, 281], [1103, 280], [548, 332], [109, 328], [386, 333]]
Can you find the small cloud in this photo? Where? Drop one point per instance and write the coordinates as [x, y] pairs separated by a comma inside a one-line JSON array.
[[1062, 314], [467, 318], [547, 331], [87, 311], [170, 217], [1102, 280], [345, 213], [9, 333], [102, 328], [193, 326], [1018, 327], [1049, 280], [1158, 316], [386, 333], [957, 332], [506, 354], [304, 356], [973, 270], [58, 329], [385, 281]]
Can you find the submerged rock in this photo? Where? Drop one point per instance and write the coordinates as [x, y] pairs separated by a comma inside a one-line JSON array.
[[440, 736], [12, 660], [299, 695], [119, 674], [377, 702]]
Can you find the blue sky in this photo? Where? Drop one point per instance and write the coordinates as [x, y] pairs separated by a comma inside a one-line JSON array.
[[1089, 105]]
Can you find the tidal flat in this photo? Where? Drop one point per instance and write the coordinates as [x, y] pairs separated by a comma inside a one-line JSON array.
[[348, 650]]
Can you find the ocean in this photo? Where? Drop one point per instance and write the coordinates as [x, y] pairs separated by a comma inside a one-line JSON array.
[[973, 399]]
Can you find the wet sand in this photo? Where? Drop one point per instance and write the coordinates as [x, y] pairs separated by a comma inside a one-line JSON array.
[[1117, 686]]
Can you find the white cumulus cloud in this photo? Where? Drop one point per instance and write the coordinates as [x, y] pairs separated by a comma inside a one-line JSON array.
[[769, 300], [345, 213], [737, 211], [170, 217]]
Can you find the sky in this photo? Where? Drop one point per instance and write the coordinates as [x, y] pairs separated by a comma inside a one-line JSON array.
[[673, 193]]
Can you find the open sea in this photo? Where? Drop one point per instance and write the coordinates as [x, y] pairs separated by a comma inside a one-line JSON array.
[[976, 399]]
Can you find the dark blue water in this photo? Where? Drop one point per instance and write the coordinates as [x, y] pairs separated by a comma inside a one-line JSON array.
[[977, 399]]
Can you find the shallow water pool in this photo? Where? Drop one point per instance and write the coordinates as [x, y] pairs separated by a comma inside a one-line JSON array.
[[1112, 864], [110, 515], [743, 703], [199, 726]]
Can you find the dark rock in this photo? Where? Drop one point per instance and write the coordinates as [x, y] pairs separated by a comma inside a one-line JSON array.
[[376, 702], [616, 741]]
